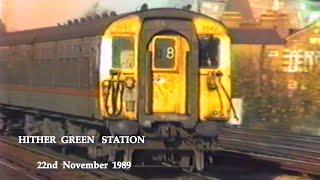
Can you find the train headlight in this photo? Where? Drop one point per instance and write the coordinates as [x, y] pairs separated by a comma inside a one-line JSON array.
[[106, 83], [211, 81], [130, 82]]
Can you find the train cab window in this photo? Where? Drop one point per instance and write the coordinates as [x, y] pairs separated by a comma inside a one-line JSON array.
[[123, 52], [165, 56], [209, 52]]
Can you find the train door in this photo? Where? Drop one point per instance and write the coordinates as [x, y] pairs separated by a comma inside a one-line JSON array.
[[168, 86]]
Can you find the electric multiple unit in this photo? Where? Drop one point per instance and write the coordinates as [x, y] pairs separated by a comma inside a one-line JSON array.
[[162, 73]]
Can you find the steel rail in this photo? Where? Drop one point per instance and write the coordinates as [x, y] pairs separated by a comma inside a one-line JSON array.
[[290, 151], [294, 152], [285, 163], [25, 167], [275, 132], [45, 152]]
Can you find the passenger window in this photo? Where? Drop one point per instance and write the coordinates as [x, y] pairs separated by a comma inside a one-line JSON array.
[[209, 52], [123, 52], [165, 53]]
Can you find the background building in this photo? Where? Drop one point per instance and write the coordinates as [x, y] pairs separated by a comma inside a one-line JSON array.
[[212, 8]]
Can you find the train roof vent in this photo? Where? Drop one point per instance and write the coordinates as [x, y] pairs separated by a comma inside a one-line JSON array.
[[144, 7], [3, 29], [83, 20], [105, 15], [187, 7], [113, 13], [97, 16], [89, 18], [70, 22], [76, 21]]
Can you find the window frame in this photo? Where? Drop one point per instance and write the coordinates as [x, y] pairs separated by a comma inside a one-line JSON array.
[[134, 52], [153, 52], [218, 52]]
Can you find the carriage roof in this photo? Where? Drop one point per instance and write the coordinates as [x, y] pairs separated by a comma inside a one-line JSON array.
[[89, 28]]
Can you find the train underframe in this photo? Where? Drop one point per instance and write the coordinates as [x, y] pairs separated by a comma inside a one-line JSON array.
[[166, 144]]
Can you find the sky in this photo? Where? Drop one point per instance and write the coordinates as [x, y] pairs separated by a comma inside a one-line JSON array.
[[29, 14], [1, 9]]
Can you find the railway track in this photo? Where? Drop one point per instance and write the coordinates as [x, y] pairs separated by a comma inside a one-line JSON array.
[[24, 159], [294, 152]]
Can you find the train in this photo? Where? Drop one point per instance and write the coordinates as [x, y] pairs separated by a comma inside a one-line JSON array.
[[160, 73]]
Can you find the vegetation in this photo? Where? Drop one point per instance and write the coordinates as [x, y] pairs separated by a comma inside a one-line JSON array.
[[275, 99], [3, 28], [97, 9]]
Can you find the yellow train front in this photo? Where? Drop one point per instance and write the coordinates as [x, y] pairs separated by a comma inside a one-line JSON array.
[[166, 73], [165, 69]]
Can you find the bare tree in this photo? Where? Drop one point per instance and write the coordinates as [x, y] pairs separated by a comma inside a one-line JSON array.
[[97, 9], [3, 28]]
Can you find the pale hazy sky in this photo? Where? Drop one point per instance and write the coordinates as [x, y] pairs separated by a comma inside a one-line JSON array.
[[28, 14]]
